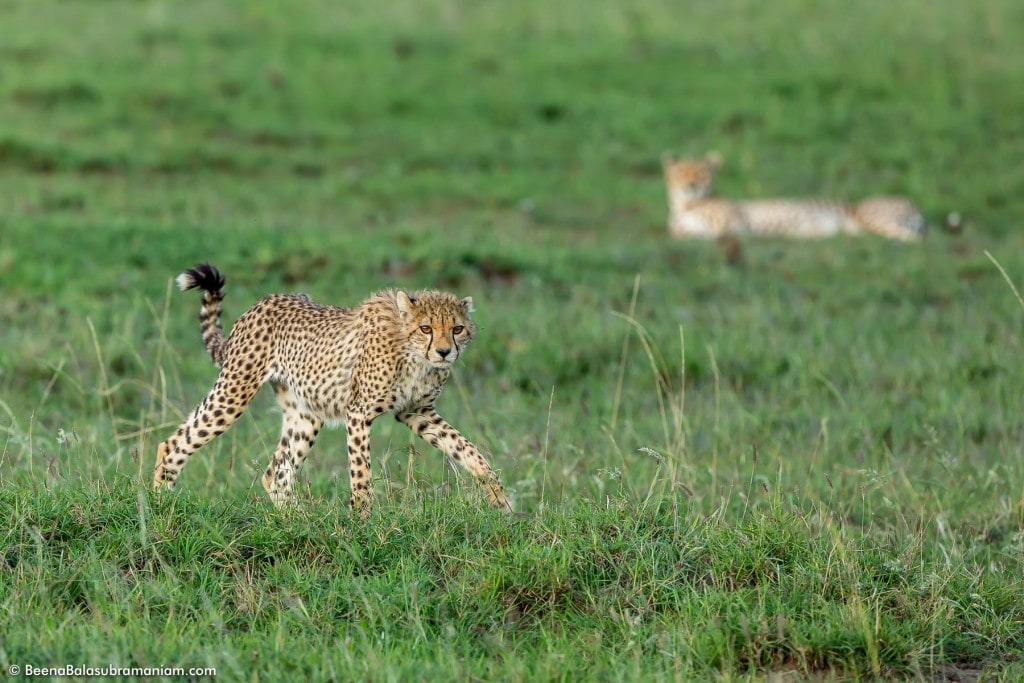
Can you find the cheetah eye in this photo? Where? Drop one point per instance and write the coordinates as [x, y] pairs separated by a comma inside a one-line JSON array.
[[425, 329], [458, 329]]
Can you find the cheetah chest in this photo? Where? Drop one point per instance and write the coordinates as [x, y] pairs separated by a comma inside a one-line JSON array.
[[706, 218], [418, 387]]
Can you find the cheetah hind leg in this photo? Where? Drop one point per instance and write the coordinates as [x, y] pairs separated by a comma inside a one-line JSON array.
[[298, 433], [158, 472], [210, 419]]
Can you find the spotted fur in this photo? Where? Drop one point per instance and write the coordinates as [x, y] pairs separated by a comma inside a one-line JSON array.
[[391, 354], [695, 212]]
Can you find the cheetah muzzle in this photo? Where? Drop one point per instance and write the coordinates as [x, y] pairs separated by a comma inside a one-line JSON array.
[[327, 364]]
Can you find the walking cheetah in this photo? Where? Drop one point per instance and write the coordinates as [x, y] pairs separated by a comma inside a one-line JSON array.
[[694, 212], [327, 364]]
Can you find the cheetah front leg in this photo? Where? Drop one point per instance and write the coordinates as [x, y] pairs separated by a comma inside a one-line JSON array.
[[436, 431], [358, 427]]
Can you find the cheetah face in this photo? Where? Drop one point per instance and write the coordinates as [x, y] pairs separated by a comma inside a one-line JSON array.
[[436, 324], [690, 180]]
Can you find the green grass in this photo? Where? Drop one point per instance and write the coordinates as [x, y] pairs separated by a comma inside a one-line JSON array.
[[610, 589], [800, 460]]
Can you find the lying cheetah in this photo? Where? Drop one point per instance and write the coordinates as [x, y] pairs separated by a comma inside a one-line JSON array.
[[694, 212], [390, 354]]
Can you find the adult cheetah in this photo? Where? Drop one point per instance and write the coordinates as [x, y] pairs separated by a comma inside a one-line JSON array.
[[327, 364], [694, 212]]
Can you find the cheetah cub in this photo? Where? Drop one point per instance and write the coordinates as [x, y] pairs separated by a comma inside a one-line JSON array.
[[694, 212], [327, 364]]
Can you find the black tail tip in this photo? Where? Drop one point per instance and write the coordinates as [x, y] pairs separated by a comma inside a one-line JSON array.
[[204, 276]]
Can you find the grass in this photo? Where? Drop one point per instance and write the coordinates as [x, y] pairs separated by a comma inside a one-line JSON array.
[[792, 460], [610, 589]]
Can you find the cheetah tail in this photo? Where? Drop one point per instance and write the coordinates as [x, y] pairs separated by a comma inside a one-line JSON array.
[[207, 278]]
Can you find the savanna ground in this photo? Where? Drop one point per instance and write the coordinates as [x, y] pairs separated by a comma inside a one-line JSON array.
[[775, 459]]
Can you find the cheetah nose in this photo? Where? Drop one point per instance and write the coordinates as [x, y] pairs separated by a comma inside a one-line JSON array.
[[443, 352]]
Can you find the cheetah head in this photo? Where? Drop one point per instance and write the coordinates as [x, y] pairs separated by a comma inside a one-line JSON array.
[[436, 324], [690, 180]]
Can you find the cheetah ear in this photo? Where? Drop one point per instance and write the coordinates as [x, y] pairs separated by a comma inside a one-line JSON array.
[[404, 302], [714, 158], [667, 160], [467, 303]]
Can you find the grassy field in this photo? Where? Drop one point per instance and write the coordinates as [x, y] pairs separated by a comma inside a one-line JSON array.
[[775, 460]]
